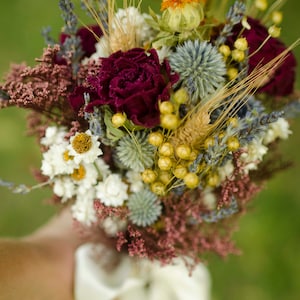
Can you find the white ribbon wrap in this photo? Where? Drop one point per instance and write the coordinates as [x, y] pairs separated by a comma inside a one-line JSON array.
[[138, 280]]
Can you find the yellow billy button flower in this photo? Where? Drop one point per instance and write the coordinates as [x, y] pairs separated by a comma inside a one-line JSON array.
[[210, 141], [225, 50], [166, 107], [158, 188], [261, 4], [149, 176], [118, 119], [233, 144], [166, 149], [213, 180], [234, 122], [193, 155], [241, 44], [232, 73], [155, 138], [183, 151], [181, 96], [82, 143], [165, 163], [165, 177], [169, 121], [238, 55], [79, 174], [191, 180], [180, 171], [276, 17]]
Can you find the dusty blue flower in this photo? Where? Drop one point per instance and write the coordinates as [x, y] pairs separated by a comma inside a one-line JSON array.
[[201, 68], [144, 208]]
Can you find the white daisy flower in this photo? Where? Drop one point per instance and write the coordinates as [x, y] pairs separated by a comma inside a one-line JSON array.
[[112, 191], [279, 129], [56, 161], [64, 187], [85, 176], [135, 180], [53, 135], [84, 147], [83, 209]]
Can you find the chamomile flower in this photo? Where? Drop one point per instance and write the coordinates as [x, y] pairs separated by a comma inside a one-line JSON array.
[[57, 161], [112, 191], [84, 147], [85, 176]]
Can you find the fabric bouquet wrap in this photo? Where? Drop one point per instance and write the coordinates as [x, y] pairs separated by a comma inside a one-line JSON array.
[[159, 127]]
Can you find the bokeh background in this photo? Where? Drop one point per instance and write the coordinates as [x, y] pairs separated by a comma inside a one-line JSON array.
[[269, 235]]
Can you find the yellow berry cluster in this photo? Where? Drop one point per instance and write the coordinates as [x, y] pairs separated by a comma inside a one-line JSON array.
[[169, 110], [171, 164], [234, 55]]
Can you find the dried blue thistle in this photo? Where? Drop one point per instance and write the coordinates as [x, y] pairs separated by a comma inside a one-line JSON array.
[[144, 208], [201, 68], [134, 151]]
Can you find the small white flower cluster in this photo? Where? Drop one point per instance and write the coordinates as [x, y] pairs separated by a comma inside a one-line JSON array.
[[253, 154], [77, 172], [126, 19]]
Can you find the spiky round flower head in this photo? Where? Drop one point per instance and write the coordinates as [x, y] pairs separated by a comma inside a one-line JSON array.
[[201, 68], [144, 208], [134, 151]]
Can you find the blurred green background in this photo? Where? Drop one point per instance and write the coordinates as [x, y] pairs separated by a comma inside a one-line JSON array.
[[269, 235]]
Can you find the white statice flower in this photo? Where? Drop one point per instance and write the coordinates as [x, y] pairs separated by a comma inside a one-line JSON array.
[[53, 135], [83, 209], [55, 161], [112, 191], [84, 147], [102, 49], [209, 199], [163, 53], [135, 180], [113, 225], [131, 18], [253, 154], [102, 167], [279, 129], [64, 187], [226, 170]]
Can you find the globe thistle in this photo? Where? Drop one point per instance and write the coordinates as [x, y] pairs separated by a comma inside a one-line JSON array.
[[201, 68], [144, 208], [134, 151]]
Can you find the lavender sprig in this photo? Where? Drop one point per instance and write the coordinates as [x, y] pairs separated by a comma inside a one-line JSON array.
[[234, 16]]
